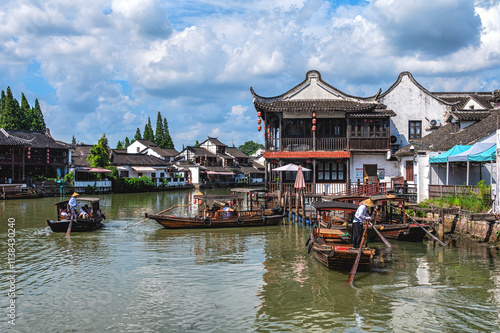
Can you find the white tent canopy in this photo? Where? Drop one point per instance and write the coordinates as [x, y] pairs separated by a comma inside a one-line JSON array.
[[290, 167]]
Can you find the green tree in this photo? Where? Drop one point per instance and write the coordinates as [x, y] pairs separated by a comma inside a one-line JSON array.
[[99, 153], [148, 131], [196, 144], [126, 142], [11, 112], [250, 147], [137, 135], [168, 142], [159, 134], [37, 123], [119, 145], [27, 114], [73, 140]]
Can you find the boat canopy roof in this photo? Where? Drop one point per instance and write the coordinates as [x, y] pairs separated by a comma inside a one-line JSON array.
[[334, 205], [378, 198], [217, 197], [91, 200]]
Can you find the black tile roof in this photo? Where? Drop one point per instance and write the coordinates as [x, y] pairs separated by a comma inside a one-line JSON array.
[[446, 138], [235, 152], [136, 160], [41, 140]]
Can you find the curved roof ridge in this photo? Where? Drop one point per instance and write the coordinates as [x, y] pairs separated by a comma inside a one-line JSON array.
[[412, 79], [301, 85], [8, 135]]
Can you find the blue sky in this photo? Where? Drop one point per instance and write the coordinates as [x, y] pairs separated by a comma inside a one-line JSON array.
[[106, 66]]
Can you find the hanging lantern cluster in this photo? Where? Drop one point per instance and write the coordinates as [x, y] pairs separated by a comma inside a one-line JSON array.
[[269, 131], [314, 121], [259, 114]]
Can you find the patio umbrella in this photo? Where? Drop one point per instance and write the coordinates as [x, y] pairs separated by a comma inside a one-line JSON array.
[[290, 167], [299, 179]]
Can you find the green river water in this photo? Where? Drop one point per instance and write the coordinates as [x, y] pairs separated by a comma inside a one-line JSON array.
[[139, 277]]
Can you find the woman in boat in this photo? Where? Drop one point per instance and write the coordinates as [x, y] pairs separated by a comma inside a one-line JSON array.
[[359, 219]]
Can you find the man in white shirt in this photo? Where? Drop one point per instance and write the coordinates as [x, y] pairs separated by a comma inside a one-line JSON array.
[[72, 206], [359, 219]]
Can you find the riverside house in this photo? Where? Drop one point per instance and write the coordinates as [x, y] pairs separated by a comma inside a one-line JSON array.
[[341, 138]]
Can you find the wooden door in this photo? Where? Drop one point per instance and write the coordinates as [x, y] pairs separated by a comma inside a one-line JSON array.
[[409, 171]]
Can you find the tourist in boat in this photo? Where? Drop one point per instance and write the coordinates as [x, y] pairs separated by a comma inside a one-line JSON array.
[[227, 210], [359, 219], [72, 206], [64, 214]]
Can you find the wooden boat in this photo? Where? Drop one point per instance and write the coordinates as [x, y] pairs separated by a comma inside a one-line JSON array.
[[89, 222], [390, 217], [393, 223], [332, 248], [217, 217]]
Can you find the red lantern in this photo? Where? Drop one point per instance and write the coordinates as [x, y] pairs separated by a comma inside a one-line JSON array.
[[195, 201], [314, 128], [314, 121], [200, 202], [314, 114], [259, 114], [259, 121], [259, 128]]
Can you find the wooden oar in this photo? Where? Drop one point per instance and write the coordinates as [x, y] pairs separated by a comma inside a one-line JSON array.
[[163, 211], [354, 268], [68, 231], [386, 242], [428, 232]]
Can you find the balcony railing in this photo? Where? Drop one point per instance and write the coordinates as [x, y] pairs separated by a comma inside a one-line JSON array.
[[330, 144], [369, 143], [297, 144]]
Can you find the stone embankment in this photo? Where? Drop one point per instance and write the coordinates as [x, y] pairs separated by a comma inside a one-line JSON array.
[[481, 227]]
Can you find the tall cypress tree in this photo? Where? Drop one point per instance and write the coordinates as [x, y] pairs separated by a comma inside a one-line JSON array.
[[119, 145], [159, 135], [73, 140], [11, 112], [166, 135], [137, 135], [38, 123], [148, 131], [27, 115], [126, 142]]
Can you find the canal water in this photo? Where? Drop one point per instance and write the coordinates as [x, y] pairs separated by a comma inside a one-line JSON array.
[[135, 276]]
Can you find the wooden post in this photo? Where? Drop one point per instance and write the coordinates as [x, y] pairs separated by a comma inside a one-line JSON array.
[[289, 205], [297, 203], [302, 201], [285, 202], [441, 225]]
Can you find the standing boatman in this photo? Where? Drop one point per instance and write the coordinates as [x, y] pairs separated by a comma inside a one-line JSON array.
[[359, 219], [72, 206]]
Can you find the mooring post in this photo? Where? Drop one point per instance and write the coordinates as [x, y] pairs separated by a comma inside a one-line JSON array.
[[441, 225]]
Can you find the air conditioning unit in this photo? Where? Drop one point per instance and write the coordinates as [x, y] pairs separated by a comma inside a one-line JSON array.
[[395, 140], [435, 123]]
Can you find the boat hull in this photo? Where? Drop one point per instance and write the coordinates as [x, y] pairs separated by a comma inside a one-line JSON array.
[[78, 226], [177, 222], [402, 232], [342, 256]]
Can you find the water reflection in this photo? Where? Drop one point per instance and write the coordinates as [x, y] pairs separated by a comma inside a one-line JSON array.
[[132, 276]]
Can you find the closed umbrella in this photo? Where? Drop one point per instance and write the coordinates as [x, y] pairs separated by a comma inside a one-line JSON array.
[[300, 183]]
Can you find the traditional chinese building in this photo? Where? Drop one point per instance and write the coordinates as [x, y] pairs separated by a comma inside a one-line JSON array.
[[26, 154], [341, 138]]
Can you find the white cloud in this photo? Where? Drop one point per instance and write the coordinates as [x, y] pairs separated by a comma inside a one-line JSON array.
[[194, 74]]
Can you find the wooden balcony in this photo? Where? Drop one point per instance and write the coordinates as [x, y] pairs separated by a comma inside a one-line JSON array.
[[328, 144], [369, 144]]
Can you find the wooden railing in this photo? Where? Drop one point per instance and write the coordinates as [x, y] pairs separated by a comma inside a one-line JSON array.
[[436, 191], [330, 144], [369, 143], [297, 144]]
